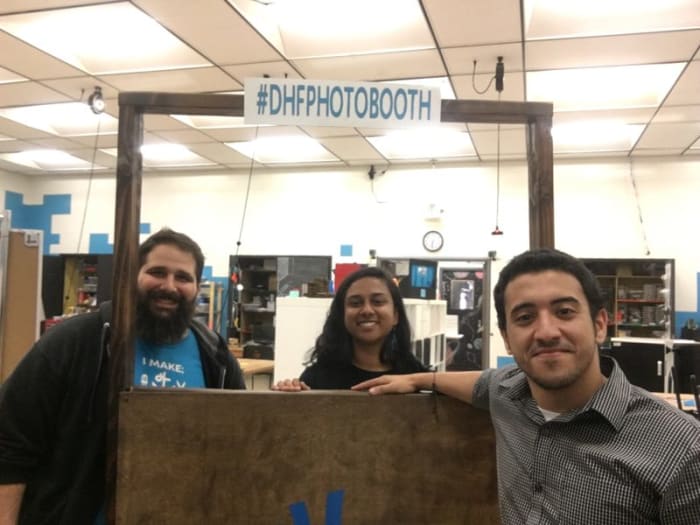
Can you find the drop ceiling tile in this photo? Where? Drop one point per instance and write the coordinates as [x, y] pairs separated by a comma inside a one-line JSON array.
[[552, 19], [12, 146], [460, 60], [153, 122], [219, 153], [329, 131], [513, 87], [20, 6], [10, 128], [275, 69], [350, 148], [374, 132], [213, 28], [474, 22], [57, 143], [280, 131], [197, 80], [669, 135], [379, 66], [649, 48], [513, 143], [626, 116], [81, 87], [183, 136], [8, 77], [104, 141], [25, 60], [338, 28], [233, 134], [678, 114], [687, 89], [657, 152], [28, 93]]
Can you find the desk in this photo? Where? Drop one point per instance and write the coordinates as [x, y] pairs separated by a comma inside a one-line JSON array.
[[686, 400], [253, 367]]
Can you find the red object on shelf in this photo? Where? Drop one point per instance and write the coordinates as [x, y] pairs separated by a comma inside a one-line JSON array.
[[342, 270]]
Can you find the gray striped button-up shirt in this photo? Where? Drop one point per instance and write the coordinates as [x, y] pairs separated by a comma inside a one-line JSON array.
[[626, 458]]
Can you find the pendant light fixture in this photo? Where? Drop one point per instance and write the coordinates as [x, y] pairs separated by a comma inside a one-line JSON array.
[[96, 102]]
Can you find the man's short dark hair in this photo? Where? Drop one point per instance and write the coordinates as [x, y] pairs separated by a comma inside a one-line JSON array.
[[177, 239], [540, 260]]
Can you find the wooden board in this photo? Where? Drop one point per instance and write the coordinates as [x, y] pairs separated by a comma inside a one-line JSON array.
[[20, 318], [268, 458]]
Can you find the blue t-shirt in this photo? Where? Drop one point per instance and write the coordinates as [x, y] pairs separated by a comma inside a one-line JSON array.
[[165, 366], [168, 366]]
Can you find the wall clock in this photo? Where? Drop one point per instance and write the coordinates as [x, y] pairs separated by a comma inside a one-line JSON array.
[[433, 241]]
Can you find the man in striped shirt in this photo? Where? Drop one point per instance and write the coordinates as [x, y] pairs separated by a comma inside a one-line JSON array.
[[576, 442]]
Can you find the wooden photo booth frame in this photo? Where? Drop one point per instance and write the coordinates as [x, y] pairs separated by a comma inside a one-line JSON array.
[[247, 458]]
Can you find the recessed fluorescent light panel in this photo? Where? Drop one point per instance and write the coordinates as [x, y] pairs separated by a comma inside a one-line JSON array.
[[212, 121], [48, 160], [102, 39], [424, 143], [603, 87], [595, 136], [283, 150], [576, 18], [167, 156], [313, 28], [70, 119]]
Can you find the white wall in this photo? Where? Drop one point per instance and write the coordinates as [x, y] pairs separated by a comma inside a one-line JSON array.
[[314, 211], [12, 182]]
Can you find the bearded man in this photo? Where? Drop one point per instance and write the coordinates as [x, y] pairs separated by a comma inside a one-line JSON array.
[[53, 407]]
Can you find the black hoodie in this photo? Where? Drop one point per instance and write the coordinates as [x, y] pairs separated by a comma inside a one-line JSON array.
[[53, 416]]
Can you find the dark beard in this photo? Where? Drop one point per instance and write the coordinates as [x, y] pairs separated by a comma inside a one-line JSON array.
[[160, 330]]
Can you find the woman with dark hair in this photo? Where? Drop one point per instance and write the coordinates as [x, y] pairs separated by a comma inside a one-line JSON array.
[[366, 335]]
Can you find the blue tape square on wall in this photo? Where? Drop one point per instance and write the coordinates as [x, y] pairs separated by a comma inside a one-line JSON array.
[[346, 250]]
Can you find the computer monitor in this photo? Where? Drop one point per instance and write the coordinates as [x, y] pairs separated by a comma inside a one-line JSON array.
[[420, 283]]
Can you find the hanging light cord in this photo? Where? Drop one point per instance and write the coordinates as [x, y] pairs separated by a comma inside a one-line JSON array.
[[498, 168], [74, 274], [227, 293], [92, 172], [497, 230], [647, 251], [247, 192]]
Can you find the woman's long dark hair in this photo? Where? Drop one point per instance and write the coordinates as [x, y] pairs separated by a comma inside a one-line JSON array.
[[334, 345]]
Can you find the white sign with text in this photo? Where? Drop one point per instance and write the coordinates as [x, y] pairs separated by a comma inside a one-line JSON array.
[[341, 104]]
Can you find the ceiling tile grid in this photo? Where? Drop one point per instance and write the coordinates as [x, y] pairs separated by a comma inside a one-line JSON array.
[[634, 80]]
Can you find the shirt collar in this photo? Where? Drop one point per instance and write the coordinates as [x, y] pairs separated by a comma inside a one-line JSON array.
[[610, 400]]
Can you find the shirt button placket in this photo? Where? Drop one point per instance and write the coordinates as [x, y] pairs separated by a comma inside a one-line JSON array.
[[539, 475]]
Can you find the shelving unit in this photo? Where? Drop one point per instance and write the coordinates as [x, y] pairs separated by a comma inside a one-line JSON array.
[[208, 303], [262, 279], [75, 283], [257, 299], [638, 296]]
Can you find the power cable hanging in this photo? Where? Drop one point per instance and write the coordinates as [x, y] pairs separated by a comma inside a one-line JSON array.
[[234, 272], [647, 251], [74, 273], [500, 71]]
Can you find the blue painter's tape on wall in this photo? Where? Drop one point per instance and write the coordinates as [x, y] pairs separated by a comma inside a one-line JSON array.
[[99, 244], [346, 250], [37, 216]]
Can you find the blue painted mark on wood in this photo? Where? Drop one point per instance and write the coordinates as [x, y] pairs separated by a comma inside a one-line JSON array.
[[334, 510]]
